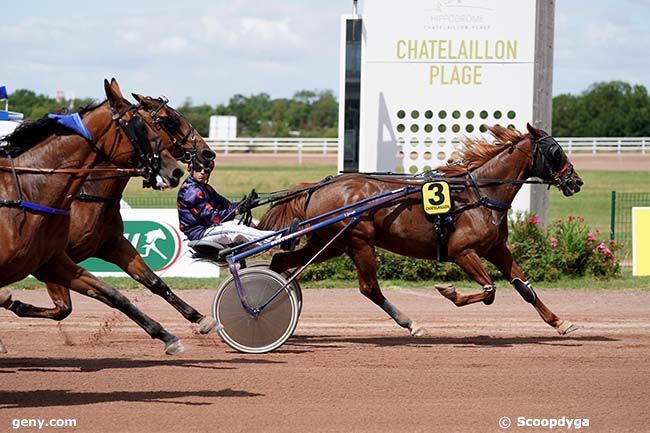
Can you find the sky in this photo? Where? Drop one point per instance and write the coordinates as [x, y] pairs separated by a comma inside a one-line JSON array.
[[210, 50]]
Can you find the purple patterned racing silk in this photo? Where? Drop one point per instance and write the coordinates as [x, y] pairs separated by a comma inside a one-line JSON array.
[[200, 206]]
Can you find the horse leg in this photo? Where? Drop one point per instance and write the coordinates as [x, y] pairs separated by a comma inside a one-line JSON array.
[[60, 297], [284, 261], [363, 256], [471, 264], [63, 271], [502, 259], [5, 299], [124, 255]]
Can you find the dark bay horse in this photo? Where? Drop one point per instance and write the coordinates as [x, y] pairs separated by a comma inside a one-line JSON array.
[[50, 166], [479, 227]]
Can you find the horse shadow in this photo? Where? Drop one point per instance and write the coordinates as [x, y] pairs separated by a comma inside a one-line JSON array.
[[62, 397], [91, 365], [479, 341]]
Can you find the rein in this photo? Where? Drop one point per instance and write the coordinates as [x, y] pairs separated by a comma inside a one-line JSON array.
[[121, 171]]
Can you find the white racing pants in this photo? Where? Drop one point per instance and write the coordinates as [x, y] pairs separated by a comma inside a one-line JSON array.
[[231, 233]]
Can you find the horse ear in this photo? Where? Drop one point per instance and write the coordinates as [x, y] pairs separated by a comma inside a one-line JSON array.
[[144, 100], [533, 131], [114, 95]]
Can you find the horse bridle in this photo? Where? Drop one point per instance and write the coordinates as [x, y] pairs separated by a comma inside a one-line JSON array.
[[136, 133], [171, 125], [550, 161]]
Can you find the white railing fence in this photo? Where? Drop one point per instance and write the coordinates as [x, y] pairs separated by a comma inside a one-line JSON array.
[[604, 144], [329, 146]]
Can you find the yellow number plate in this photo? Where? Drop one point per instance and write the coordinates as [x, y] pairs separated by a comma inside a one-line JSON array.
[[436, 197]]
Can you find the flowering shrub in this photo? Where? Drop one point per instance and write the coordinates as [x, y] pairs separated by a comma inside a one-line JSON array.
[[531, 249], [569, 248], [603, 262]]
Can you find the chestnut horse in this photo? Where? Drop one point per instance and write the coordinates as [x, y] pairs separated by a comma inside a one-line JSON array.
[[97, 228], [35, 238], [493, 175]]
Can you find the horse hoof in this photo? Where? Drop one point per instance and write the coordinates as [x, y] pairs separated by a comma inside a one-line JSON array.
[[3, 349], [207, 324], [446, 290], [418, 331], [490, 299], [5, 298], [174, 348], [566, 327]]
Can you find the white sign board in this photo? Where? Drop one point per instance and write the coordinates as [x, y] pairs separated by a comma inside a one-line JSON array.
[[155, 235], [222, 128], [434, 70]]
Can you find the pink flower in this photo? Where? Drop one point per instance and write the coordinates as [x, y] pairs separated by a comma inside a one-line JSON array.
[[552, 242], [612, 243], [591, 237], [607, 253], [600, 246], [532, 220]]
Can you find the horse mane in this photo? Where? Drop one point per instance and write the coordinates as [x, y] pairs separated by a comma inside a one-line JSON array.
[[31, 132], [284, 211], [477, 151]]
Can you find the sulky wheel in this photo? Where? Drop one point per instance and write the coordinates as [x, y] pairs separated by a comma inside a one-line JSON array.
[[255, 331], [294, 286]]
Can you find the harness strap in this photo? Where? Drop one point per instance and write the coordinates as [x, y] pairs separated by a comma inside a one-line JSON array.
[[19, 192], [567, 166], [43, 209], [485, 200], [34, 207], [90, 198]]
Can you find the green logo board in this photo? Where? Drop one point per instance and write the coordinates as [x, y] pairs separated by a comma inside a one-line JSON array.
[[159, 244]]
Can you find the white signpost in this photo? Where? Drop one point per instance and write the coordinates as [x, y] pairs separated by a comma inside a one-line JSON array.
[[435, 70]]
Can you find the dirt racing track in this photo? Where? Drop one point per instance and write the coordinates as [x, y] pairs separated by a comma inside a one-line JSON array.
[[348, 368]]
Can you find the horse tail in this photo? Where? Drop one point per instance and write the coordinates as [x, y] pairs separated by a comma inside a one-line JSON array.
[[283, 212]]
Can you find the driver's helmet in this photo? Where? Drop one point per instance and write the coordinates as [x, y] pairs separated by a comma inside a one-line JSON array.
[[196, 164]]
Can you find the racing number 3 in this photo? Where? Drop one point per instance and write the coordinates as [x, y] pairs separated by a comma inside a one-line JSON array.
[[436, 198]]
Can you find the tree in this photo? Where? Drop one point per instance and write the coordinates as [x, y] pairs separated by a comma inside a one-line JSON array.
[[609, 109]]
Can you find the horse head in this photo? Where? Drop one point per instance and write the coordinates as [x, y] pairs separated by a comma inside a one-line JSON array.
[[551, 163], [187, 143], [149, 149]]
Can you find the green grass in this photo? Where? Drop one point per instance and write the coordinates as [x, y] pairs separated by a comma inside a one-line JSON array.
[[233, 181], [594, 201]]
